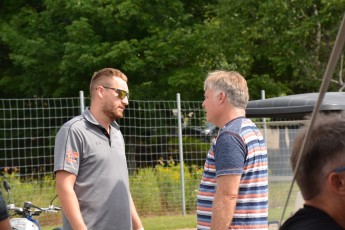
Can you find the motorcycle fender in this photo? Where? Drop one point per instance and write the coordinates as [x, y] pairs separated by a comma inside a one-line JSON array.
[[23, 224]]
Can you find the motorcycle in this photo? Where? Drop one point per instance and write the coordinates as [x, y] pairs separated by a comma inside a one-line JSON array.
[[26, 213]]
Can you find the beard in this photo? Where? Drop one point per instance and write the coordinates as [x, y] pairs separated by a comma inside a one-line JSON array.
[[113, 112]]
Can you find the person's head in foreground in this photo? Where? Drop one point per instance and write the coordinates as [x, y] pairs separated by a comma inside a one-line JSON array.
[[320, 174]]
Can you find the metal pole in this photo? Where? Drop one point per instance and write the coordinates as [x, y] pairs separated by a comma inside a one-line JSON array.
[[81, 99], [180, 143], [263, 97], [332, 62]]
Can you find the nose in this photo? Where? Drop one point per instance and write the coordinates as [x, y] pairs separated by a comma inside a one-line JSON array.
[[125, 100]]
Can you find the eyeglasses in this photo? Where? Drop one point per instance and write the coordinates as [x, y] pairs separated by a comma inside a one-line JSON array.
[[340, 169], [121, 93]]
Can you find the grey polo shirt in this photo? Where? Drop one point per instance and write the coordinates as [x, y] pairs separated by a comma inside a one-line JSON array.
[[83, 148]]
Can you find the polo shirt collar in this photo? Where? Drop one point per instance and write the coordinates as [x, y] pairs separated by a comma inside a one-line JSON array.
[[88, 116]]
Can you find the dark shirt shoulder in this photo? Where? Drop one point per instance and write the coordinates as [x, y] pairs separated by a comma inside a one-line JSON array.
[[310, 217]]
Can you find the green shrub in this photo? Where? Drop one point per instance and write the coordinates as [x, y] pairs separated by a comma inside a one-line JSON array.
[[158, 191], [38, 189], [145, 191]]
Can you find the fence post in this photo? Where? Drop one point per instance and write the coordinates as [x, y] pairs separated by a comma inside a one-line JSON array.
[[181, 152], [263, 97], [81, 98]]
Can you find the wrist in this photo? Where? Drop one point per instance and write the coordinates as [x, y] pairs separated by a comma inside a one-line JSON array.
[[141, 228]]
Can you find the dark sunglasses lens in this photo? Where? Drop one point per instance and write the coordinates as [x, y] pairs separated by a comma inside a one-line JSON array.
[[122, 94]]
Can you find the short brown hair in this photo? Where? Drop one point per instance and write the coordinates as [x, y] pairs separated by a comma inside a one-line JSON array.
[[323, 152], [102, 77]]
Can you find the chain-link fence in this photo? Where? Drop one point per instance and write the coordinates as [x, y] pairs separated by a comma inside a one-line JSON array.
[[154, 148]]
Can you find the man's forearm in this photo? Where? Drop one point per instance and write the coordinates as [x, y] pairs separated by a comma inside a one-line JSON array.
[[136, 222], [68, 199], [222, 212], [70, 206]]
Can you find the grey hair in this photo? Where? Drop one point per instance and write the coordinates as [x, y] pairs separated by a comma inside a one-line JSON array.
[[232, 84]]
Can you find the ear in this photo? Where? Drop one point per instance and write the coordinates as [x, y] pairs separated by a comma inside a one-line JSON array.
[[221, 98], [337, 182], [100, 92]]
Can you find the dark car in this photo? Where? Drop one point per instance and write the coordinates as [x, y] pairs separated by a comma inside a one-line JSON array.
[[205, 134]]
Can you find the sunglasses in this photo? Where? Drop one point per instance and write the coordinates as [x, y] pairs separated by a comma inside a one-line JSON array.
[[339, 170], [121, 93]]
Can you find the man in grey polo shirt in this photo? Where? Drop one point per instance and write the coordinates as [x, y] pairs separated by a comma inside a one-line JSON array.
[[90, 162]]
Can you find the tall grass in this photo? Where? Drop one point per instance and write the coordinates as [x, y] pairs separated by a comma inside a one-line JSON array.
[[156, 192], [38, 190]]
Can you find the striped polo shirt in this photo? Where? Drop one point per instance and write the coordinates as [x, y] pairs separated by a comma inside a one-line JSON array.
[[239, 149]]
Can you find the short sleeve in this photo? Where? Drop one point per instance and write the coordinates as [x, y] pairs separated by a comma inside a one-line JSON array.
[[67, 151], [3, 208], [230, 154]]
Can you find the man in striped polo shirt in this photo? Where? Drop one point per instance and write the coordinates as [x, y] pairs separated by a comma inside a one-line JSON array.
[[233, 192]]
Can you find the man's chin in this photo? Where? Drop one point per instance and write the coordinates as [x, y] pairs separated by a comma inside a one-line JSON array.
[[119, 115]]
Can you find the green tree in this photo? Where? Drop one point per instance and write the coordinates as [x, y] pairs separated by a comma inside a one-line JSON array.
[[286, 42], [51, 48], [54, 46]]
